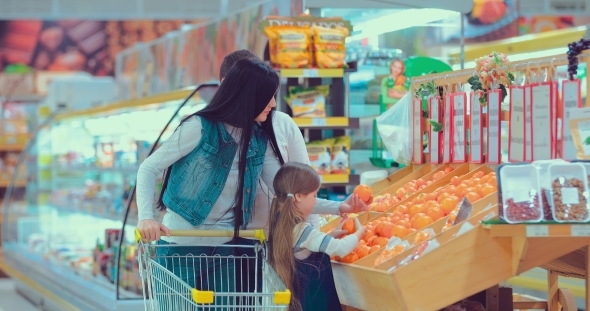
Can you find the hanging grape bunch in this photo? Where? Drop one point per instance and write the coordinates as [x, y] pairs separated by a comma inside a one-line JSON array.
[[574, 49]]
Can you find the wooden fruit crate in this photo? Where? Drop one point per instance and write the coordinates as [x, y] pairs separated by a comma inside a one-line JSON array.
[[461, 266]]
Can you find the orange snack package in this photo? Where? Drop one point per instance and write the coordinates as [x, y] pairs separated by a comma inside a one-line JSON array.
[[330, 49], [272, 34], [293, 47]]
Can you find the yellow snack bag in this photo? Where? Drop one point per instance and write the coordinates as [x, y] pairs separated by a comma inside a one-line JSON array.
[[308, 102], [330, 49], [293, 47], [319, 155], [271, 33], [340, 155]]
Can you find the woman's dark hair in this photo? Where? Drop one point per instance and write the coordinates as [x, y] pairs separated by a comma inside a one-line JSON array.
[[244, 94]]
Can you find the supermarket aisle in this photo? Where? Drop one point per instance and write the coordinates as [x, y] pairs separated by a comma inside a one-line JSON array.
[[11, 300]]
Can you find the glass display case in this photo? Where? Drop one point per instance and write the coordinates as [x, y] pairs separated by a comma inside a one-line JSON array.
[[71, 229]]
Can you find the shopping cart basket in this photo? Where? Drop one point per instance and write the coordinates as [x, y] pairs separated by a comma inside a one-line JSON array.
[[166, 276]]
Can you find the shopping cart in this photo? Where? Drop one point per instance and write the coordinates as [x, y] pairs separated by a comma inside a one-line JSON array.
[[166, 275]]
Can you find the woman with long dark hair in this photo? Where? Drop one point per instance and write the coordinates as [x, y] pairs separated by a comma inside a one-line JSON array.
[[214, 163]]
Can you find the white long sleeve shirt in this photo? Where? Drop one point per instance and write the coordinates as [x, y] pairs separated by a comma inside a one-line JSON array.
[[184, 140], [307, 239]]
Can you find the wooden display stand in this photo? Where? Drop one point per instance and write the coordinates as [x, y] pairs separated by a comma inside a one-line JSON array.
[[471, 257]]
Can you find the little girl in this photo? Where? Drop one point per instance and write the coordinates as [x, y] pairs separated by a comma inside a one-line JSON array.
[[299, 253]]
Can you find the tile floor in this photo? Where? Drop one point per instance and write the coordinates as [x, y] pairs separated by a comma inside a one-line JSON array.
[[10, 300]]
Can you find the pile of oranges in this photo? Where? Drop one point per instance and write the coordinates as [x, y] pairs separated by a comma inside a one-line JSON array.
[[421, 212], [383, 203]]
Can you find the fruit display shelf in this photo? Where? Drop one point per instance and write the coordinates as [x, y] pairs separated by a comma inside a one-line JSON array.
[[462, 260]]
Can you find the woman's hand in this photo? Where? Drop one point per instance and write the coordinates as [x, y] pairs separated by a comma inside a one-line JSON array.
[[353, 204], [150, 229]]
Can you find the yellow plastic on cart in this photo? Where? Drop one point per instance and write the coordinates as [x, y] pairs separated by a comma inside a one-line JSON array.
[[282, 298], [137, 235], [202, 297]]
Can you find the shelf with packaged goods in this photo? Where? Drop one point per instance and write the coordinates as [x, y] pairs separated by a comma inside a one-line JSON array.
[[327, 123], [340, 179], [314, 72]]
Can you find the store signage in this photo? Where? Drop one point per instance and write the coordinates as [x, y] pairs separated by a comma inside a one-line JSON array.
[[304, 21], [417, 131], [541, 122], [528, 133], [572, 98], [435, 115], [476, 132], [554, 99], [447, 128], [459, 153], [494, 123], [516, 135]]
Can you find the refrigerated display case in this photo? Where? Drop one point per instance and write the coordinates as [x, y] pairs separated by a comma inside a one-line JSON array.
[[69, 233]]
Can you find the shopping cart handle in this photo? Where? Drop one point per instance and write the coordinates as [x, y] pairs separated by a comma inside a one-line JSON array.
[[257, 234]]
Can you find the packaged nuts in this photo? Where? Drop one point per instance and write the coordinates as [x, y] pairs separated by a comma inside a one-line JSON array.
[[520, 194], [570, 192]]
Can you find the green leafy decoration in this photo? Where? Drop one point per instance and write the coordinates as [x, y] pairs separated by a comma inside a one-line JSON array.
[[587, 141], [436, 127]]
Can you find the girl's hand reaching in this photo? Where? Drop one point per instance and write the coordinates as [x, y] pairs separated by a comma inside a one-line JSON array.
[[338, 232], [360, 229]]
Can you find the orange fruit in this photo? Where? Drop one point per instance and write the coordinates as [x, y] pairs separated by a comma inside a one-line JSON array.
[[492, 181], [474, 182], [435, 212], [362, 250], [448, 205], [350, 258], [423, 222], [473, 197], [438, 175], [374, 248], [368, 234], [448, 170], [400, 193], [429, 197], [415, 209], [409, 185], [456, 180], [364, 192], [487, 190], [381, 241], [413, 220], [349, 226], [399, 231], [386, 230], [422, 236], [429, 204], [402, 209], [420, 182], [443, 196], [397, 213], [362, 242], [479, 174], [371, 240], [404, 223]]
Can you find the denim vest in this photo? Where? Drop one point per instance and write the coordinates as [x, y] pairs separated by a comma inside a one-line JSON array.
[[197, 179]]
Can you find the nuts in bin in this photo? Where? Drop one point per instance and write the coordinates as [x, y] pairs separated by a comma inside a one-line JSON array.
[[569, 199], [525, 210]]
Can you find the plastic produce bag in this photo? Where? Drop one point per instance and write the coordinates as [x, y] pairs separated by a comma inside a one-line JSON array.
[[395, 129]]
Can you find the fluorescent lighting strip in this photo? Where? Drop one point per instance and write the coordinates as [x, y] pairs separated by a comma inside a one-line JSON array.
[[400, 20]]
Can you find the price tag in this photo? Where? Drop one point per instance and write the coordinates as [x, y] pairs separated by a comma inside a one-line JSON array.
[[310, 73], [319, 122], [537, 230], [580, 230], [569, 195]]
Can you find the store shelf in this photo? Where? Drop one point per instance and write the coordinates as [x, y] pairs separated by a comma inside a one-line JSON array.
[[328, 122], [123, 170], [12, 147], [314, 73], [4, 183], [340, 179], [82, 291], [550, 230]]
